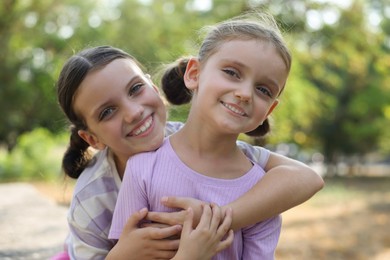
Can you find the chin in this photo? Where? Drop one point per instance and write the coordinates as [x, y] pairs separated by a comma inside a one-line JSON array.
[[156, 143]]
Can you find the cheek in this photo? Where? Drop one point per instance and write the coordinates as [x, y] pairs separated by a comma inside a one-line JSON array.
[[109, 132], [263, 108], [158, 103], [160, 108]]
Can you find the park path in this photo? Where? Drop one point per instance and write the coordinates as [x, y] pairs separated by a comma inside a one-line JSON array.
[[31, 225]]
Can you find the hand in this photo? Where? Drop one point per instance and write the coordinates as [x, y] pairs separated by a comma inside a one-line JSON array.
[[205, 240], [159, 225], [145, 243], [178, 218]]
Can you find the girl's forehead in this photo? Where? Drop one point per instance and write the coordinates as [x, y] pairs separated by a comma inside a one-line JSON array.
[[244, 50], [248, 43], [121, 65], [119, 70]]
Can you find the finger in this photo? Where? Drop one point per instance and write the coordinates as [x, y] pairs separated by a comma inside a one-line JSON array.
[[181, 202], [205, 218], [159, 249], [226, 224], [164, 254], [227, 242], [216, 217], [166, 245], [187, 226], [162, 233], [134, 219], [155, 225], [169, 218]]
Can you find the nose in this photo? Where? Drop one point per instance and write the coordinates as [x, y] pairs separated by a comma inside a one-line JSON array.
[[133, 112], [244, 93]]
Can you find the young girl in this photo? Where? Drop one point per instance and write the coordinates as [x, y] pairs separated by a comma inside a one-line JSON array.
[[115, 108], [240, 71]]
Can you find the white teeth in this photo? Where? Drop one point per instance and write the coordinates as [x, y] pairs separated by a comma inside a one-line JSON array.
[[235, 110], [143, 127]]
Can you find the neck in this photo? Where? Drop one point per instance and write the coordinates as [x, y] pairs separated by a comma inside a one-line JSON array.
[[120, 164], [210, 153], [204, 140], [209, 150]]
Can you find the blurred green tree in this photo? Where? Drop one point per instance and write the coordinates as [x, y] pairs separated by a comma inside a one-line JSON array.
[[33, 36], [337, 94], [348, 63]]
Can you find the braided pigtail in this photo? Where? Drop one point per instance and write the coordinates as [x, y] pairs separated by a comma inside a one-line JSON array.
[[76, 157]]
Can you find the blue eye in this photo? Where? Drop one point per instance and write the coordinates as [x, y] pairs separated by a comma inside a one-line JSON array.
[[136, 88], [265, 91], [106, 113]]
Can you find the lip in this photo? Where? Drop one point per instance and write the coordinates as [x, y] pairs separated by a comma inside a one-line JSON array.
[[143, 128], [234, 109]]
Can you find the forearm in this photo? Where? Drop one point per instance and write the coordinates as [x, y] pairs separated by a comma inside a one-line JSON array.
[[286, 184], [283, 187]]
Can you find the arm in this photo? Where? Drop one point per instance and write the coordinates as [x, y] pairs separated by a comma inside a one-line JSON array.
[[286, 184], [87, 241], [79, 244]]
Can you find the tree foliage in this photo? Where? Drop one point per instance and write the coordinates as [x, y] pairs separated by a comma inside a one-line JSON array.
[[347, 64], [34, 35], [337, 96]]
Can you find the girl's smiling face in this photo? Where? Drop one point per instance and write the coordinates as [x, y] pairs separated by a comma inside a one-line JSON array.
[[121, 108], [237, 87]]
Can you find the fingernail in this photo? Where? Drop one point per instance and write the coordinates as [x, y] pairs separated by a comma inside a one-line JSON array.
[[164, 199]]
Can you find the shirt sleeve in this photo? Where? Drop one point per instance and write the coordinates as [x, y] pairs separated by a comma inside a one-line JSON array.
[[257, 154], [172, 127], [85, 241], [132, 197], [260, 240]]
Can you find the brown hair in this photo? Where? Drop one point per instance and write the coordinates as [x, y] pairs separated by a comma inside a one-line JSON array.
[[76, 68]]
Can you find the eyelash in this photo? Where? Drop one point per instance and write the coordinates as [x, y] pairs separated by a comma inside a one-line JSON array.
[[231, 72], [262, 89], [135, 89], [105, 113], [265, 91]]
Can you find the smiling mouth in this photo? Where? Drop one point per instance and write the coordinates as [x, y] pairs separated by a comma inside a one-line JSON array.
[[143, 128], [234, 109]]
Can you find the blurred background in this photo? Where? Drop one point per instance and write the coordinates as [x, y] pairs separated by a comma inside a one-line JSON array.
[[334, 114]]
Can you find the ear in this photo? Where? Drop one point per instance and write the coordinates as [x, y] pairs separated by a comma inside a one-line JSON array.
[[276, 102], [91, 139], [191, 76]]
